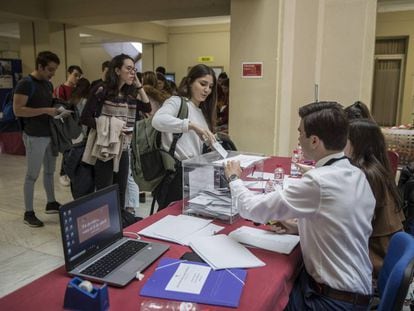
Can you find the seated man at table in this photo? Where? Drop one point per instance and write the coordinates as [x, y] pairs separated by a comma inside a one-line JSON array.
[[334, 205]]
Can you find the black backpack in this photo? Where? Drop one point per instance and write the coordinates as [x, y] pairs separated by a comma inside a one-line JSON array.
[[7, 105]]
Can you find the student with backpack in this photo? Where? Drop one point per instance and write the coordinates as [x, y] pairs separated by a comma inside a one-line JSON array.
[[199, 90], [36, 110]]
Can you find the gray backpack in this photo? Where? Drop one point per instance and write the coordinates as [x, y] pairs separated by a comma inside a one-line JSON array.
[[149, 162]]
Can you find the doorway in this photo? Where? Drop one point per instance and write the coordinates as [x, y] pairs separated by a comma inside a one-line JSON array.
[[389, 65]]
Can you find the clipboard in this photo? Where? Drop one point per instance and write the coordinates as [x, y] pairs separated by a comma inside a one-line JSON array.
[[221, 288]]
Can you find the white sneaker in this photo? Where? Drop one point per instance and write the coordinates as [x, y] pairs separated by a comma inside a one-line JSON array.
[[64, 180]]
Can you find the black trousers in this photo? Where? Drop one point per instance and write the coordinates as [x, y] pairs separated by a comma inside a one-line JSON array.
[[105, 176]]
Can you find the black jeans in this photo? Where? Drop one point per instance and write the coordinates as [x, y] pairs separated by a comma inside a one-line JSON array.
[[105, 176]]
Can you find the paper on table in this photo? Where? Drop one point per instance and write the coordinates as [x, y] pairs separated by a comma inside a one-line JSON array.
[[245, 160], [281, 243], [222, 252], [175, 228], [208, 230], [188, 278]]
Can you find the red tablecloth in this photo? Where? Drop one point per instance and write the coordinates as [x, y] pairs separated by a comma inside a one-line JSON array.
[[267, 288]]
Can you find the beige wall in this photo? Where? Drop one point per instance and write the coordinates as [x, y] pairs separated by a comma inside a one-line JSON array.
[[186, 44], [347, 51], [253, 108], [397, 24], [301, 43], [92, 57]]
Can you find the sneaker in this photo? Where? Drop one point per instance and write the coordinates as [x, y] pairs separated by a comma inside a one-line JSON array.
[[52, 207], [31, 220], [64, 180]]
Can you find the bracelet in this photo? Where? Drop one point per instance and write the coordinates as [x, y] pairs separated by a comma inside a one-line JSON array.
[[139, 87]]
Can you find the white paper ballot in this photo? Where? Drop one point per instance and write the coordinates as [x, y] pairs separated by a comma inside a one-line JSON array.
[[219, 148], [201, 200], [281, 243], [222, 252], [245, 160], [63, 113], [188, 278]]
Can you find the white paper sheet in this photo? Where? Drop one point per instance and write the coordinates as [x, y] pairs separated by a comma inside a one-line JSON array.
[[245, 160], [281, 243], [222, 252], [176, 229], [188, 279]]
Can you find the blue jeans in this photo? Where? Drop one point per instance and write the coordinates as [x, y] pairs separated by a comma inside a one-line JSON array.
[[38, 151], [304, 298]]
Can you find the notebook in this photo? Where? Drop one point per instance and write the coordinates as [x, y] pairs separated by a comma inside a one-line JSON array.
[[183, 280], [93, 242]]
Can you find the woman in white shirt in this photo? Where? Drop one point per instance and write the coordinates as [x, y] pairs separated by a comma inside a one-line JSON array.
[[199, 88]]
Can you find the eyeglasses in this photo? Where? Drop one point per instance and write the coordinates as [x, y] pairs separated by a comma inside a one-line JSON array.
[[131, 69]]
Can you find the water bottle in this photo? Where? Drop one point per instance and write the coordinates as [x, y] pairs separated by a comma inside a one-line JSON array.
[[279, 177], [168, 305], [269, 186], [294, 170]]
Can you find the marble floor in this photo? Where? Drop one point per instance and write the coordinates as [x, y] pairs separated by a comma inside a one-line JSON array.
[[27, 253]]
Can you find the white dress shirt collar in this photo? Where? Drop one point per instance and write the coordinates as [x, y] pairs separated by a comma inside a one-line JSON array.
[[322, 161]]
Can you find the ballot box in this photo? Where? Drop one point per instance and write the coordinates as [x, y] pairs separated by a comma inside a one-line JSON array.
[[206, 191]]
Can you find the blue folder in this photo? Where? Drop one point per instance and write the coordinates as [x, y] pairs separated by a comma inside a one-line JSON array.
[[222, 287]]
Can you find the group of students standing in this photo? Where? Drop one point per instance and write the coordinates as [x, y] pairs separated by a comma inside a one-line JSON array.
[[115, 102]]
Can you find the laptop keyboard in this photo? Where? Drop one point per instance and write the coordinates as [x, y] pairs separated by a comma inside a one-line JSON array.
[[114, 259]]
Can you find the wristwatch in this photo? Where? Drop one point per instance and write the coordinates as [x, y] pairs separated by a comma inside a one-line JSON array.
[[232, 177]]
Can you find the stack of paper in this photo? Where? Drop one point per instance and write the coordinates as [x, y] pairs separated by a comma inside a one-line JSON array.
[[222, 252], [281, 243], [180, 229], [212, 203]]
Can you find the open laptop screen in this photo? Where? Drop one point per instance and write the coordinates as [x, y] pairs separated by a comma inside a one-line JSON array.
[[89, 224]]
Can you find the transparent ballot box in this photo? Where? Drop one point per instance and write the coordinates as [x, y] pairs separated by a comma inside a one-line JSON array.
[[206, 191]]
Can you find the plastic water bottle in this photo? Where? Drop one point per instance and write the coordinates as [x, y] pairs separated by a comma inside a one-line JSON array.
[[294, 170], [279, 177], [270, 186], [168, 305]]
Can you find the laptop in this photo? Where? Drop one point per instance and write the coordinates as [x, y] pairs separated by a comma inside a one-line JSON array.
[[93, 242]]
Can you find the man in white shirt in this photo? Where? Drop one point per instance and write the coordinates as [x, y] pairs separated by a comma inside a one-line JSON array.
[[334, 205]]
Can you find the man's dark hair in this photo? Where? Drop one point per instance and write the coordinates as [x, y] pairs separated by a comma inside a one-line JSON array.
[[328, 121], [45, 57], [161, 69], [105, 64], [75, 67]]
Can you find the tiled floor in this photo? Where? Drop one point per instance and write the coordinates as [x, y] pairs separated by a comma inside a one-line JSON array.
[[27, 253]]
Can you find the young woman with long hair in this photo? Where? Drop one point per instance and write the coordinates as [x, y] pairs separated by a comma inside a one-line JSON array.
[[367, 150], [199, 90], [117, 97]]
